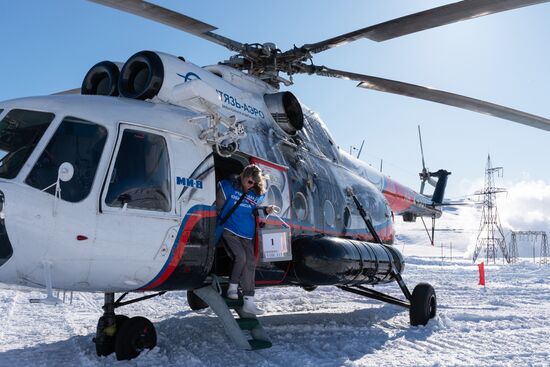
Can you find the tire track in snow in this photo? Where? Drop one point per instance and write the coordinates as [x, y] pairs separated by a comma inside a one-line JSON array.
[[8, 303], [497, 326], [81, 323], [13, 326]]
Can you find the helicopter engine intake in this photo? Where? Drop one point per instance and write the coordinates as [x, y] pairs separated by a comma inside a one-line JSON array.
[[324, 260], [286, 111], [102, 79], [141, 76], [147, 75]]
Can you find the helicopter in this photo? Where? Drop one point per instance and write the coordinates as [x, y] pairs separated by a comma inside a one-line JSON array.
[[117, 179]]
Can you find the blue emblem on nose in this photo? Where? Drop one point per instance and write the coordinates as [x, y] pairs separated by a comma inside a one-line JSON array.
[[189, 76]]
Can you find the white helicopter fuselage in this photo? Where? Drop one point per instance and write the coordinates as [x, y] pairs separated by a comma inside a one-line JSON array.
[[114, 190], [101, 243], [90, 245]]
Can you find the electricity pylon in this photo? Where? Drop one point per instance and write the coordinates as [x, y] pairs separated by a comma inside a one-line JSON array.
[[491, 236]]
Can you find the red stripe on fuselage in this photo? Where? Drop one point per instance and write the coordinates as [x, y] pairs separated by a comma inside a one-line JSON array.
[[194, 218], [399, 197]]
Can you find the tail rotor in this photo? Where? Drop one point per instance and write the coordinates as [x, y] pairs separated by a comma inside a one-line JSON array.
[[427, 176]]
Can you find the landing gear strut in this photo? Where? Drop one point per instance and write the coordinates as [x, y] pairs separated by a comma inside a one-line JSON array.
[[106, 328], [125, 336], [422, 303]]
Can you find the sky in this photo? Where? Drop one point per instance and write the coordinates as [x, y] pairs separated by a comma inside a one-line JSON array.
[[503, 58]]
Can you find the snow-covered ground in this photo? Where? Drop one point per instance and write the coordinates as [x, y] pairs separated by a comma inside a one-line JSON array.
[[506, 323]]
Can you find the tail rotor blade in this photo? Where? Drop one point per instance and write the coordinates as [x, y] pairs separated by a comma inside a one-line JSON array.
[[421, 149]]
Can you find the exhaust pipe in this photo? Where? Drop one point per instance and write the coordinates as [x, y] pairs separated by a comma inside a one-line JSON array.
[[141, 76], [102, 79]]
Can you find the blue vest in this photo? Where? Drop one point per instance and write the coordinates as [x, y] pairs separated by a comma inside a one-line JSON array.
[[242, 222]]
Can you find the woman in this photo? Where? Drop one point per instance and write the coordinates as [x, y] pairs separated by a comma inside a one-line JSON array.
[[236, 200]]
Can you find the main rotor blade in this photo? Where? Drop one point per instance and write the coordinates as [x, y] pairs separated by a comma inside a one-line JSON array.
[[173, 19], [434, 95], [423, 20]]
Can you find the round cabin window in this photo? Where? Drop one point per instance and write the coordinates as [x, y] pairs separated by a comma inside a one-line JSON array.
[[274, 196], [299, 204], [328, 210]]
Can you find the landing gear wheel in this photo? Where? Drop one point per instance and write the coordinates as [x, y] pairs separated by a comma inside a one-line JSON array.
[[106, 336], [309, 288], [135, 335], [423, 304], [195, 302], [120, 320]]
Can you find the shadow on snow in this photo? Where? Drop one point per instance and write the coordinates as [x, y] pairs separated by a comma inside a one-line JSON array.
[[198, 339]]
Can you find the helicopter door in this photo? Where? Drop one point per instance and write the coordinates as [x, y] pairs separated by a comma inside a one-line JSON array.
[[62, 216], [137, 209]]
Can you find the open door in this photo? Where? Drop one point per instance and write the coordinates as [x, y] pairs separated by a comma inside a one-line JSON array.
[[278, 194]]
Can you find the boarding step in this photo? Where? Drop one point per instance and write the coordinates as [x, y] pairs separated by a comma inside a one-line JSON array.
[[247, 323], [235, 328], [259, 344], [233, 303]]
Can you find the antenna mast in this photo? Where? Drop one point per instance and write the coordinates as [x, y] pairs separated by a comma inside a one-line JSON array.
[[491, 235]]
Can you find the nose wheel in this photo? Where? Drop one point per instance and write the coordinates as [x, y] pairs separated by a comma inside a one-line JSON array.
[[126, 337], [136, 335], [106, 334]]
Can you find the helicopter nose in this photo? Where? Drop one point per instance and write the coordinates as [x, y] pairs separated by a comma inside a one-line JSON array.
[[6, 249]]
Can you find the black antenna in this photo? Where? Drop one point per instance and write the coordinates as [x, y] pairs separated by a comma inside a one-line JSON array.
[[360, 149]]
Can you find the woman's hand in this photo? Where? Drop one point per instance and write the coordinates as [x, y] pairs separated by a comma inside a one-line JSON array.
[[270, 209]]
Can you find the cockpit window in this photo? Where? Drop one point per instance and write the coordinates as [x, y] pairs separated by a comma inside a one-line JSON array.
[[141, 176], [78, 142], [20, 131]]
